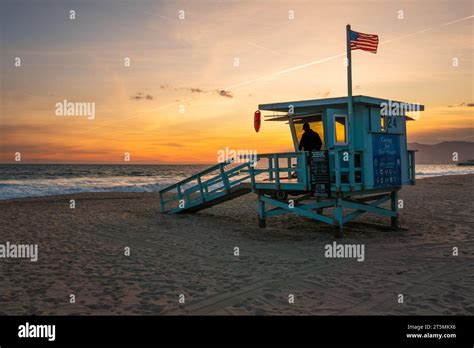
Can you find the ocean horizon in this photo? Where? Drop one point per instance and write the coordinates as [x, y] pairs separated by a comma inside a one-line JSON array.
[[35, 180]]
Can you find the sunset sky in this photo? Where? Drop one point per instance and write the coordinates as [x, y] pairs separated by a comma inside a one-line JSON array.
[[190, 62]]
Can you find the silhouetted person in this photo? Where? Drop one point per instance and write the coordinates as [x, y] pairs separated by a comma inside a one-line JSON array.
[[310, 140]]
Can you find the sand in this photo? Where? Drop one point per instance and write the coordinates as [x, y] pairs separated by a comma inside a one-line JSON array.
[[81, 252]]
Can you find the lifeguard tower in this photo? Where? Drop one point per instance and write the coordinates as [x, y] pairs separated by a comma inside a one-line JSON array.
[[363, 163]]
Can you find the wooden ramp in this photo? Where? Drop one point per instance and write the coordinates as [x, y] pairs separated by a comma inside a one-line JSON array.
[[228, 180], [232, 193], [217, 184]]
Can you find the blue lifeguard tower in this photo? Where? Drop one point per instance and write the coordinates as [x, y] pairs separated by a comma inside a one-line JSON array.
[[363, 163]]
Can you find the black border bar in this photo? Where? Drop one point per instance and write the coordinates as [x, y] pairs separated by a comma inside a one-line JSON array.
[[241, 330]]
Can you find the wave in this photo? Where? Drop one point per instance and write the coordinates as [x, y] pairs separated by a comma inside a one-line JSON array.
[[34, 187], [48, 187], [430, 170]]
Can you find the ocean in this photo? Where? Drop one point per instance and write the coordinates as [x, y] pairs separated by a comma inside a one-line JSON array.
[[30, 180]]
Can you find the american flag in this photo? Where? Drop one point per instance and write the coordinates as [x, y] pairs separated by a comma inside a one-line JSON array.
[[365, 42]]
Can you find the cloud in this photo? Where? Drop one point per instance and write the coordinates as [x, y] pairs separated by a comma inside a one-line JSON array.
[[221, 92], [171, 144], [462, 104], [141, 96], [325, 94], [190, 89], [224, 93]]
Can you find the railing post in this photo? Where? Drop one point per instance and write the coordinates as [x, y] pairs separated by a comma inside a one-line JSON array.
[[289, 167], [252, 176], [224, 177], [270, 167], [302, 168], [277, 171], [201, 188]]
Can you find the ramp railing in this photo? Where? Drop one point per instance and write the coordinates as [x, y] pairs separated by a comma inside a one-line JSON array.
[[207, 185], [277, 171]]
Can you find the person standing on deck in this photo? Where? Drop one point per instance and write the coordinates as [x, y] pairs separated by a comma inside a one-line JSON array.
[[310, 140]]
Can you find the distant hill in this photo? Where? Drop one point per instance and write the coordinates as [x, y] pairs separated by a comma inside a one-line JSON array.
[[442, 153]]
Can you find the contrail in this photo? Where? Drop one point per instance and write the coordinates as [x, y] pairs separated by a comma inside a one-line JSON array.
[[339, 55], [309, 64], [382, 43], [458, 20]]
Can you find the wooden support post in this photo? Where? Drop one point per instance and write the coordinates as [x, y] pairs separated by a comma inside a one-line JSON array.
[[319, 210], [261, 212], [338, 217], [351, 170], [162, 203], [411, 170], [394, 206], [337, 170]]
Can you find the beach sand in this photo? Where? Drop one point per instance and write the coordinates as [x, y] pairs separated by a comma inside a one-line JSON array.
[[81, 252]]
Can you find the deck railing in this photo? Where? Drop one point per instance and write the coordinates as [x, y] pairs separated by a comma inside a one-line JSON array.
[[281, 171]]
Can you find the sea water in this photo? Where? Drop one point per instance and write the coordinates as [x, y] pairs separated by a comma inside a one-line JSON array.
[[30, 180]]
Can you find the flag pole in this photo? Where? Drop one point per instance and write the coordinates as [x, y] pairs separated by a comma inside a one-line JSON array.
[[349, 84], [350, 110]]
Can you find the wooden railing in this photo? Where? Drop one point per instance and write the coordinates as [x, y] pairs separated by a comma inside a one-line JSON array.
[[281, 171], [206, 185]]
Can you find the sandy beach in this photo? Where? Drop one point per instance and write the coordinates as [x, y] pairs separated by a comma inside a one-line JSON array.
[[81, 252]]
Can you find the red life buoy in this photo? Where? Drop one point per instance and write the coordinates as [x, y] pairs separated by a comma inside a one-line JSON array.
[[257, 120]]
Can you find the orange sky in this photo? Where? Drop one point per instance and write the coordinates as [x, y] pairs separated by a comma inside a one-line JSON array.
[[190, 63]]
